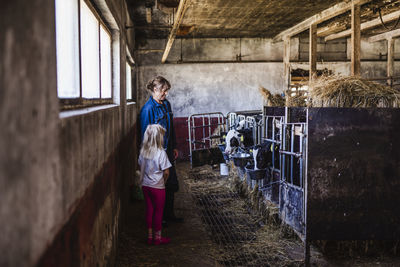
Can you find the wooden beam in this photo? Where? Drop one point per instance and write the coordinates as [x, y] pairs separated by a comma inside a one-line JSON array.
[[286, 61], [147, 51], [318, 18], [384, 36], [183, 4], [331, 29], [390, 57], [365, 26], [355, 39], [313, 50]]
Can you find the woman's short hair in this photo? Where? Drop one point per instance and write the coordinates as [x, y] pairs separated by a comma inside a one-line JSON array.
[[153, 140], [158, 83]]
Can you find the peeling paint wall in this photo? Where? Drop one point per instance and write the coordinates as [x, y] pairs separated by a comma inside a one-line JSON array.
[[63, 177], [224, 87], [209, 78]]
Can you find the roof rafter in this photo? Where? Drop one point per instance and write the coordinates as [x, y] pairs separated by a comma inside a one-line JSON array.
[[364, 26], [384, 36], [183, 4], [320, 17]]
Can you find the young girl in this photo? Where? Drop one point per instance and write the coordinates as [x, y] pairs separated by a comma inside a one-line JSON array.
[[154, 165]]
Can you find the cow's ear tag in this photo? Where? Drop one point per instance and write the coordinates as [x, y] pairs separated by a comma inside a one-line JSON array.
[[242, 138], [272, 148], [251, 150]]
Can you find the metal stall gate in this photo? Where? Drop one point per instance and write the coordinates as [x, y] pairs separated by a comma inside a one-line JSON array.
[[205, 131], [256, 125], [293, 154], [272, 132], [234, 117]]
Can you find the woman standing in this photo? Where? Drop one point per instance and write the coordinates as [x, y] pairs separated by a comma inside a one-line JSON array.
[[157, 110]]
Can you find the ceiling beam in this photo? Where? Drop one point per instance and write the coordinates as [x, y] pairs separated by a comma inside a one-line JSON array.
[[318, 18], [384, 36], [330, 29], [147, 51], [364, 26], [183, 4]]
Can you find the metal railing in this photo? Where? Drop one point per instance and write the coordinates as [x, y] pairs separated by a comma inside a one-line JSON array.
[[203, 129]]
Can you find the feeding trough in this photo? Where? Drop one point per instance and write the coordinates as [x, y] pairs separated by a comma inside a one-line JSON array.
[[260, 176], [241, 159]]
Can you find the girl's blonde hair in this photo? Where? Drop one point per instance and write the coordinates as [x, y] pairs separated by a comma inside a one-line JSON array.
[[153, 140]]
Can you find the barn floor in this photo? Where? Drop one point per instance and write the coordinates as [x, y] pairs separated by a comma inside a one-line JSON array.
[[221, 229]]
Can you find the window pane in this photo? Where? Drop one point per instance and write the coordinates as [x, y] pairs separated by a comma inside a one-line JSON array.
[[67, 48], [128, 82], [89, 53], [105, 44]]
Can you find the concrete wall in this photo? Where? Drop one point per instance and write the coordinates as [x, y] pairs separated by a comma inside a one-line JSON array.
[[63, 176], [215, 87], [334, 50], [206, 75]]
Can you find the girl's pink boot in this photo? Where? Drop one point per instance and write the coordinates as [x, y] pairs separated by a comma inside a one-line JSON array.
[[161, 240]]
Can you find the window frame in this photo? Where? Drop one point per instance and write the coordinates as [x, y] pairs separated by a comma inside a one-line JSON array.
[[132, 66], [81, 102]]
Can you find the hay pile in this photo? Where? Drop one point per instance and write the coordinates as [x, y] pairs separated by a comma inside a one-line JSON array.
[[275, 100], [296, 100], [354, 92]]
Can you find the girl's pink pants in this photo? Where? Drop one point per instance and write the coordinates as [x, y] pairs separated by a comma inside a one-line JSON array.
[[155, 200]]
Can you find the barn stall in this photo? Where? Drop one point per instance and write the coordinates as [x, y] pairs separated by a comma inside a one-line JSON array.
[[334, 168]]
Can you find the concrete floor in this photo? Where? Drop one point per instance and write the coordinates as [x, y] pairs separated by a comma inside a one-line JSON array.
[[191, 243]]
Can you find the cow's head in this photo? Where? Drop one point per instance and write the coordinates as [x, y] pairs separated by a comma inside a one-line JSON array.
[[262, 155]]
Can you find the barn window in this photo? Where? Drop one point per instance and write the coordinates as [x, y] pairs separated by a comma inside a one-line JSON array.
[[84, 68], [130, 85], [128, 81]]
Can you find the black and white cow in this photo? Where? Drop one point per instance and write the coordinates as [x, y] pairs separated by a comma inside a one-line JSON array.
[[246, 138], [240, 125], [232, 141], [239, 137], [262, 155]]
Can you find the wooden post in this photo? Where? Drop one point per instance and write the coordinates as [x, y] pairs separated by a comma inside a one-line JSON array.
[[286, 61], [390, 59], [313, 50], [355, 39]]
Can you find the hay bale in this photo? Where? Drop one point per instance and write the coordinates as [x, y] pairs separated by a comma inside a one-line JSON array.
[[275, 100], [338, 91]]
